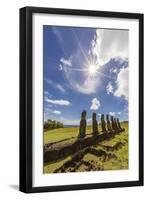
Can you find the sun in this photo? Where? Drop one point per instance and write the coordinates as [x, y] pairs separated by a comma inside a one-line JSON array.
[[92, 69]]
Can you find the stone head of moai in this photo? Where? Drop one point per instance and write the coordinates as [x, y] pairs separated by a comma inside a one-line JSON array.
[[108, 123], [94, 116], [94, 124], [115, 124], [82, 128], [111, 118], [83, 115], [103, 123], [112, 123], [102, 117], [118, 123]]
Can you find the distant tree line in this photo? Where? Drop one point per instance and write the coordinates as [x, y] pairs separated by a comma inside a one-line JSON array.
[[52, 124]]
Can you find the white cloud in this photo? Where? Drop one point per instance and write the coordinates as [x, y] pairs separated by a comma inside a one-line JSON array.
[[126, 108], [72, 122], [60, 102], [57, 112], [60, 87], [109, 88], [49, 110], [60, 67], [112, 113], [66, 62], [49, 105], [89, 121], [96, 45], [122, 83], [106, 44], [121, 59], [89, 86], [56, 85], [80, 81], [109, 44], [114, 70], [95, 104], [46, 93]]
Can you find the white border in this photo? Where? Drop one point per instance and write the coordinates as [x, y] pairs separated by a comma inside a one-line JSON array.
[[40, 179]]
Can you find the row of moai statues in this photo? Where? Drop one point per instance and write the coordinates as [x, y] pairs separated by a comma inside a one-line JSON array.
[[108, 125]]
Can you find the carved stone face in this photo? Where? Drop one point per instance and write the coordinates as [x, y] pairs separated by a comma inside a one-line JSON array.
[[83, 115], [94, 116], [107, 117], [111, 118], [102, 117]]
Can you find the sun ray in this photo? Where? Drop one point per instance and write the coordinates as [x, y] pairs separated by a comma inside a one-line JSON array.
[[80, 46]]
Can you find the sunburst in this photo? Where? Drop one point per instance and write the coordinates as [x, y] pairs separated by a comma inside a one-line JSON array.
[[92, 69]]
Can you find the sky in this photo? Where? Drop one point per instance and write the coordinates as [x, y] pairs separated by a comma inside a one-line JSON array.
[[85, 69]]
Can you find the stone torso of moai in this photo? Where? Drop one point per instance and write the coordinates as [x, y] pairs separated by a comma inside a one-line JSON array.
[[94, 125], [118, 123], [82, 129], [115, 123], [112, 123], [108, 123], [103, 123]]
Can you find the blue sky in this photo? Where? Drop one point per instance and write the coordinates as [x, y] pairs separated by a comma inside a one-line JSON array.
[[85, 68]]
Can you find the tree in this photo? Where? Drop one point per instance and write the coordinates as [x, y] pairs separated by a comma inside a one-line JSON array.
[[52, 124]]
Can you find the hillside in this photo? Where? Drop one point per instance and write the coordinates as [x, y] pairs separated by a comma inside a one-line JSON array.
[[109, 154]]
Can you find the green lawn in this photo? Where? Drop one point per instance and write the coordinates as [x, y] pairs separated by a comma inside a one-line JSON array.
[[59, 134], [51, 167]]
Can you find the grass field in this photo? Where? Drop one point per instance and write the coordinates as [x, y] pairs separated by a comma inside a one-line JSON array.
[[59, 134], [114, 152]]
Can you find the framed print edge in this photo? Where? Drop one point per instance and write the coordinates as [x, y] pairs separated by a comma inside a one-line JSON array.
[[25, 138], [25, 167], [141, 99]]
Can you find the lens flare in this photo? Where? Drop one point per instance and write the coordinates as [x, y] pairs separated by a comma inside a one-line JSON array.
[[92, 69]]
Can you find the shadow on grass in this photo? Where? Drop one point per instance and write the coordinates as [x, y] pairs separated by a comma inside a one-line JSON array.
[[60, 151]]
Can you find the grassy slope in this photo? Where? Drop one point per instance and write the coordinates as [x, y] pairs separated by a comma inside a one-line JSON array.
[[63, 133], [120, 162]]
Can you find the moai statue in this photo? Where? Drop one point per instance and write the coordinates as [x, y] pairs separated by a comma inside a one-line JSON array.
[[82, 129], [94, 125], [118, 123], [103, 123], [115, 123], [108, 123], [112, 123]]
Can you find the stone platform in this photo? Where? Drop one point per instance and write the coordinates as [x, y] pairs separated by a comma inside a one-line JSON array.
[[59, 150]]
